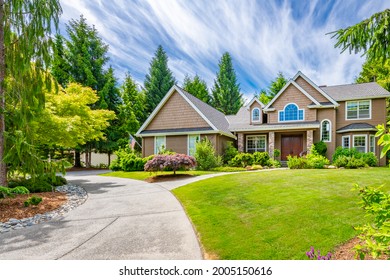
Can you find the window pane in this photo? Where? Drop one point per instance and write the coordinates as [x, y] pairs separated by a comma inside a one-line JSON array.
[[346, 142], [372, 143], [255, 114], [325, 130], [192, 140], [291, 113], [300, 117], [256, 144], [281, 116], [359, 143], [160, 144]]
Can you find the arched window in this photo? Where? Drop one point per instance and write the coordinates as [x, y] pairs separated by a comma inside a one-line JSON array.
[[256, 115], [325, 130], [291, 113]]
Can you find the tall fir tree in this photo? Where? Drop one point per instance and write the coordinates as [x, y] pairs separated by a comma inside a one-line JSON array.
[[266, 95], [226, 91], [159, 80], [25, 28], [60, 67], [197, 87]]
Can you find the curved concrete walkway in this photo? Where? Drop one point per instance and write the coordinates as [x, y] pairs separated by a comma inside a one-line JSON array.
[[121, 219]]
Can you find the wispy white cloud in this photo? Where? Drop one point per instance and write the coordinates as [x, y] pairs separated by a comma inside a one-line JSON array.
[[263, 37]]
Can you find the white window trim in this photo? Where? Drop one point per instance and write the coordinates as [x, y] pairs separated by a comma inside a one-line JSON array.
[[330, 130], [292, 120], [346, 109], [188, 141], [259, 120], [372, 136], [359, 135], [155, 142], [349, 141], [246, 141]]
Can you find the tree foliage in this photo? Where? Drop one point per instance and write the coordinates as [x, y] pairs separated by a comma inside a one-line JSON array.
[[170, 162], [159, 80], [370, 36], [68, 120], [226, 91], [25, 29], [197, 87], [266, 95]]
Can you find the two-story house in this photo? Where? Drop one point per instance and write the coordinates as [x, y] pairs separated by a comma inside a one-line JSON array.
[[301, 114]]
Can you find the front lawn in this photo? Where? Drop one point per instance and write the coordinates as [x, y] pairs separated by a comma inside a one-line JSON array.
[[278, 214], [143, 175]]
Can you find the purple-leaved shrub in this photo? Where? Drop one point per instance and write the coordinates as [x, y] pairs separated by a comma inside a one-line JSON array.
[[170, 162]]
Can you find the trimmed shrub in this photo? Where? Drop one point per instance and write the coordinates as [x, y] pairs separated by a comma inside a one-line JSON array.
[[340, 151], [205, 155], [173, 162], [359, 159], [34, 200], [274, 163], [242, 160], [127, 160], [261, 158], [370, 159], [349, 162], [34, 185], [230, 152], [315, 160], [276, 153], [294, 162], [321, 148]]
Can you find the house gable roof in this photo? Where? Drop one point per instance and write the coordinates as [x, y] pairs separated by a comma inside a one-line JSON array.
[[356, 91], [253, 100], [212, 116], [292, 82]]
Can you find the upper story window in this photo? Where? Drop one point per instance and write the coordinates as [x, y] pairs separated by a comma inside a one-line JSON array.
[[358, 109], [256, 115], [291, 113], [325, 131]]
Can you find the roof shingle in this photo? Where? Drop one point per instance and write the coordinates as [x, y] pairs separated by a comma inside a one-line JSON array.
[[355, 91]]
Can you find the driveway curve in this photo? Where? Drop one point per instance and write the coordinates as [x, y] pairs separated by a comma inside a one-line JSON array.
[[121, 219]]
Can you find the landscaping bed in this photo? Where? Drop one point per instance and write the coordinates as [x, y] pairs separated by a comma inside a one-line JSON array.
[[14, 207]]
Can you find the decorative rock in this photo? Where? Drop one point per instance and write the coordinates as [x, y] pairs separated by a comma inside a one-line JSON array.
[[76, 196], [332, 167]]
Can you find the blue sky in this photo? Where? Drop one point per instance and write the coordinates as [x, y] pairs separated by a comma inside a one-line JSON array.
[[263, 37]]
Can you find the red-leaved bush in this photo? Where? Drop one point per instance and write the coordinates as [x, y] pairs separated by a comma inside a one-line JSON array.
[[172, 162]]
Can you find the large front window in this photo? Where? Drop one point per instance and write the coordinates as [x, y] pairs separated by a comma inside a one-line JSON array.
[[325, 131], [291, 113], [360, 143], [159, 144], [255, 143], [192, 140], [358, 110]]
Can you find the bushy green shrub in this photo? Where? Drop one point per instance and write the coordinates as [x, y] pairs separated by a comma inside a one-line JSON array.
[[375, 234], [315, 160], [230, 152], [128, 160], [343, 155], [370, 159], [274, 163], [55, 181], [34, 200], [276, 153], [340, 151], [34, 185], [5, 192], [349, 162], [242, 160], [294, 162], [20, 190], [205, 155], [321, 148], [261, 158]]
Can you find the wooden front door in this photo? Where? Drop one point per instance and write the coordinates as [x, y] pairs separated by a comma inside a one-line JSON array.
[[291, 145]]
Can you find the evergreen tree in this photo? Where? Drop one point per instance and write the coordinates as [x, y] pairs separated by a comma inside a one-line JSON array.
[[25, 28], [60, 68], [226, 92], [266, 95], [159, 80], [197, 87]]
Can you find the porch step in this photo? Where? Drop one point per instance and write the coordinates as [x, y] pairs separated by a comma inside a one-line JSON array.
[[283, 163]]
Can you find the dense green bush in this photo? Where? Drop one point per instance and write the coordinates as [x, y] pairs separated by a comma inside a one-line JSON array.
[[205, 155], [350, 162], [315, 160], [321, 148], [242, 160], [34, 200], [127, 160], [20, 190], [276, 153], [294, 162], [342, 156], [261, 158], [230, 152], [274, 163], [375, 235]]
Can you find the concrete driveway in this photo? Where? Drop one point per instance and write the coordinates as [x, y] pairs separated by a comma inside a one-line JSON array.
[[121, 219]]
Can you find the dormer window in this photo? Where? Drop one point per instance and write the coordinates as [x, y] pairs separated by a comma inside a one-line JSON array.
[[256, 115], [291, 112]]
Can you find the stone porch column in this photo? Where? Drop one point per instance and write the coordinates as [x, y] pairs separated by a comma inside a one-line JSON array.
[[271, 143], [309, 140], [240, 142]]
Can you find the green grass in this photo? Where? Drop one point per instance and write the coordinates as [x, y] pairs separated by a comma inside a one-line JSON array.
[[143, 175], [277, 214]]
